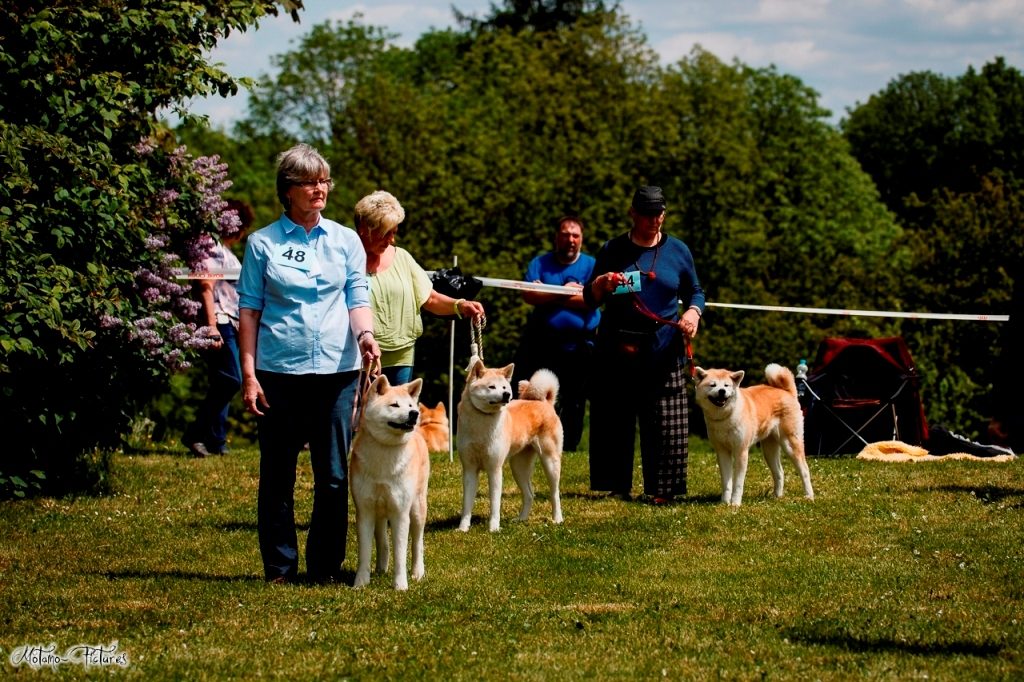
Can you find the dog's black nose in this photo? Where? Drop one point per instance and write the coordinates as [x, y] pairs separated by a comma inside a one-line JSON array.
[[413, 416], [506, 396]]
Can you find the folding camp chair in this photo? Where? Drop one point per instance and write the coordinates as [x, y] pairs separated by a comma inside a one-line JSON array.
[[863, 418], [861, 391]]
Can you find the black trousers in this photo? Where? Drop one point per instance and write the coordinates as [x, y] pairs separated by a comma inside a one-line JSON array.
[[314, 409]]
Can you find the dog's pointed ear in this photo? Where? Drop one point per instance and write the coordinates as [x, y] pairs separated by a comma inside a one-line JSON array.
[[508, 369], [737, 377], [700, 372], [380, 385], [414, 388], [477, 369], [440, 405], [423, 407]]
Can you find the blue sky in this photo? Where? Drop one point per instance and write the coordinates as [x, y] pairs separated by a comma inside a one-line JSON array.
[[846, 50]]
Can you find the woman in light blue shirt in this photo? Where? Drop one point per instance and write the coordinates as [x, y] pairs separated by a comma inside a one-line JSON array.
[[305, 329]]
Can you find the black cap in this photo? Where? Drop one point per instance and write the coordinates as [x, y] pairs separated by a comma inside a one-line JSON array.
[[649, 201]]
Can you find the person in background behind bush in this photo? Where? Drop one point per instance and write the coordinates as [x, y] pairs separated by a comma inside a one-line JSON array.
[[207, 434], [305, 330]]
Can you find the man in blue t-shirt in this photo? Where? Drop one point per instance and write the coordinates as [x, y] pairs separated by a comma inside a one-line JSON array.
[[560, 333]]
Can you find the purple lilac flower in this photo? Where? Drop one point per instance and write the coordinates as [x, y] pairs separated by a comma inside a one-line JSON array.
[[180, 333], [155, 242], [109, 321], [166, 197], [144, 147], [229, 223]]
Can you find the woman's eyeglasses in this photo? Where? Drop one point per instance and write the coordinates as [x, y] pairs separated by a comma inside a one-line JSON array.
[[313, 184]]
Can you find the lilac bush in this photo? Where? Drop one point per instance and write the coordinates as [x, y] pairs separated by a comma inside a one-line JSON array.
[[187, 212]]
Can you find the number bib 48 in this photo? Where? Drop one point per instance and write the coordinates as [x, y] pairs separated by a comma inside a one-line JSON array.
[[295, 256]]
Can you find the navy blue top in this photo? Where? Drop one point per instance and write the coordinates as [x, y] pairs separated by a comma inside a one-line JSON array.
[[675, 281]]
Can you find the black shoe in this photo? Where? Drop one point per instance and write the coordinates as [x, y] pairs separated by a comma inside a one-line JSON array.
[[198, 450]]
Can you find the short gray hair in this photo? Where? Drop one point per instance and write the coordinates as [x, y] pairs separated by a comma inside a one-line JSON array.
[[379, 212], [299, 163]]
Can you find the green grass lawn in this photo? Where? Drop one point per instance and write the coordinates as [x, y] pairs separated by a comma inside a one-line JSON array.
[[896, 571]]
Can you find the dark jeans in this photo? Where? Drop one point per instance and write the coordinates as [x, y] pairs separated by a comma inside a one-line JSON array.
[[314, 409], [210, 425]]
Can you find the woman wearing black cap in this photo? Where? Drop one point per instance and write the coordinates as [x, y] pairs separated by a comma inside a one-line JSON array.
[[640, 277]]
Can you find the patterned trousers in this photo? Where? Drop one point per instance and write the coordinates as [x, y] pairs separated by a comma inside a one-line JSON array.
[[626, 394]]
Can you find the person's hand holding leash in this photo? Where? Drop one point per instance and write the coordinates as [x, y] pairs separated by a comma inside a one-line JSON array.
[[370, 352], [607, 283], [688, 324], [473, 310]]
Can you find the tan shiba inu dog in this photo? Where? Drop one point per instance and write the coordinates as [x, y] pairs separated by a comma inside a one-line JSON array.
[[388, 476], [433, 427], [494, 428], [737, 418]]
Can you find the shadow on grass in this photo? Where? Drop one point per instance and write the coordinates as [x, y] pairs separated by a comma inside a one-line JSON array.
[[179, 575], [344, 577], [450, 523], [600, 495], [874, 644], [236, 526], [987, 494]]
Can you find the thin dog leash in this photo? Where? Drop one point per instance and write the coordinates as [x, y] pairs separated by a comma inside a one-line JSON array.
[[642, 308], [363, 382], [476, 339]]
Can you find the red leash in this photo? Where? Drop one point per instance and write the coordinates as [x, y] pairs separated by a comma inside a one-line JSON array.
[[642, 308]]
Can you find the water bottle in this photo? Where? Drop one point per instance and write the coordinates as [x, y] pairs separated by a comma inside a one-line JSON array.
[[801, 380]]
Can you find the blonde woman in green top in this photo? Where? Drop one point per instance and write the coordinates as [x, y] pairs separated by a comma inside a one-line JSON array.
[[399, 287]]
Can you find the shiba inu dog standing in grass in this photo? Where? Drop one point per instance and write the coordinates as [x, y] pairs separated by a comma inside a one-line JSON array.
[[494, 428], [388, 476], [737, 418]]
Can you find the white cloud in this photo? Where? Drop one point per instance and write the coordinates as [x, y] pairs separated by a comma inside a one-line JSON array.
[[844, 49], [787, 54], [957, 14], [790, 11]]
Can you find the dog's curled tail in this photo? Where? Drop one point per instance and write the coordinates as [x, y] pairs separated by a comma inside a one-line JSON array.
[[780, 377], [543, 385]]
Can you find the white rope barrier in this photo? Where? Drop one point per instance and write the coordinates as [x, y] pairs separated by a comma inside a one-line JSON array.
[[865, 313], [555, 289], [518, 285]]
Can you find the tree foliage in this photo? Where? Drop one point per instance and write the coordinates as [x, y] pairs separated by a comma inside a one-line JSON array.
[[96, 205], [488, 134], [947, 156]]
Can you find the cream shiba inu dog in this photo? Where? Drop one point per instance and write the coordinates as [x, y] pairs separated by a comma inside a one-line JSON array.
[[494, 428], [737, 418], [388, 476], [433, 426]]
